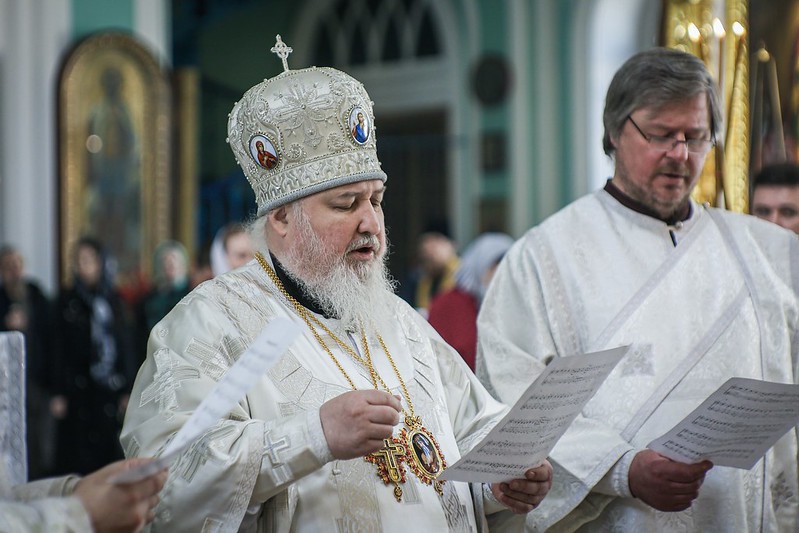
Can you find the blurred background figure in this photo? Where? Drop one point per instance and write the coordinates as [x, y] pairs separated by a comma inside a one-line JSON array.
[[775, 195], [437, 262], [25, 308], [232, 248], [170, 285], [453, 313], [238, 246], [94, 365], [201, 269]]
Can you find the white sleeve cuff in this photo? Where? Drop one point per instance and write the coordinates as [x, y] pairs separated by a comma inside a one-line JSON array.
[[617, 481], [316, 437], [491, 504]]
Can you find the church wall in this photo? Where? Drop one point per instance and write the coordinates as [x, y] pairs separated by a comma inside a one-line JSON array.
[[560, 54], [233, 54], [495, 120], [542, 151], [89, 16], [34, 36]]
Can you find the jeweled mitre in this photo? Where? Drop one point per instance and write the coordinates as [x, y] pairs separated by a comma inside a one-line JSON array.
[[302, 132]]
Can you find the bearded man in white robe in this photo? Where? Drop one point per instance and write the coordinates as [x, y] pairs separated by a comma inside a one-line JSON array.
[[701, 294], [328, 439]]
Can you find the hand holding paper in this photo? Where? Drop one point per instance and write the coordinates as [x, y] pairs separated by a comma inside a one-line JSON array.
[[735, 425], [529, 431], [523, 495]]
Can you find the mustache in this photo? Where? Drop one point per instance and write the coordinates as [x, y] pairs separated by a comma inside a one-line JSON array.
[[362, 242], [681, 170]]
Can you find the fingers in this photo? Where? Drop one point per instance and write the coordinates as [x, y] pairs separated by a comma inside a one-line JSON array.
[[523, 495], [379, 432], [664, 484], [381, 414], [356, 422], [681, 473], [543, 472], [134, 462], [372, 445], [378, 397], [152, 501], [519, 501]]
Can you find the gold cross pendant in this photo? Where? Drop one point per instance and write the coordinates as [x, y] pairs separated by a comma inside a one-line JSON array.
[[389, 461]]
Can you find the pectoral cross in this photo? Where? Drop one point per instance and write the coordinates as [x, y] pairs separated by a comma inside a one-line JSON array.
[[389, 464]]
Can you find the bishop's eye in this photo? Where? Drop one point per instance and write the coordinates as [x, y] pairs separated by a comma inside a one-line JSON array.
[[343, 206]]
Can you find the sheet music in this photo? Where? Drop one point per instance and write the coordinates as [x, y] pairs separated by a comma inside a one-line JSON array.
[[264, 352], [735, 426], [526, 435]]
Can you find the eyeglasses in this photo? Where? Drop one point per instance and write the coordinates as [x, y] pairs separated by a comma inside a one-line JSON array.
[[666, 144]]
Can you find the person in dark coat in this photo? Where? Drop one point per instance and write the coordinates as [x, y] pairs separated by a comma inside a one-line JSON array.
[[95, 365]]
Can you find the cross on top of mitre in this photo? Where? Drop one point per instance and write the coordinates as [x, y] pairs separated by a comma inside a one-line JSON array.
[[282, 51]]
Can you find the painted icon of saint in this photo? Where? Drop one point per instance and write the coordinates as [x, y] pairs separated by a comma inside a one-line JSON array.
[[360, 127], [264, 152], [424, 451]]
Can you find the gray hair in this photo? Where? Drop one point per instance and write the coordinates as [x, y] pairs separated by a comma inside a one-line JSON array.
[[655, 78]]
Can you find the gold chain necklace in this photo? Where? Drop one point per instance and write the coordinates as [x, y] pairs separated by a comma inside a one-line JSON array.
[[415, 445]]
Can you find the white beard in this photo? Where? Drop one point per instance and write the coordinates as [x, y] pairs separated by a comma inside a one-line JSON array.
[[358, 293]]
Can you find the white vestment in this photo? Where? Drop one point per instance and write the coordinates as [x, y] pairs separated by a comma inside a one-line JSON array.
[[40, 505], [721, 303], [267, 467]]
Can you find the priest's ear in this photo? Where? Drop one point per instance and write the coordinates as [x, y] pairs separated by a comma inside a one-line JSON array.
[[277, 222], [614, 142]]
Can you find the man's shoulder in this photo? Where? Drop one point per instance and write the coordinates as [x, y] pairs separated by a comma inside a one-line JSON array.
[[761, 231], [225, 292], [775, 245], [579, 213]]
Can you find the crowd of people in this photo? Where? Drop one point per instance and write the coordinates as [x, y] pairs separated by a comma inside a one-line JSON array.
[[85, 345], [352, 428]]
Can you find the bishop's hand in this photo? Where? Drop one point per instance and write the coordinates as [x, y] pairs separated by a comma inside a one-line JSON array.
[[355, 423], [664, 484], [523, 495]]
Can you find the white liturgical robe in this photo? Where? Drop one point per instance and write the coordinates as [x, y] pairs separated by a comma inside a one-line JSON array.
[[43, 505], [267, 466], [721, 302]]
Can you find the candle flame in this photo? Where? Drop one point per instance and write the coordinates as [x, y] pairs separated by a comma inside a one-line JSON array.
[[738, 29], [693, 33], [718, 28]]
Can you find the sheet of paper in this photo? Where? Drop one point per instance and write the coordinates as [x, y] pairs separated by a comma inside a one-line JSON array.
[[264, 352], [735, 426], [526, 435]]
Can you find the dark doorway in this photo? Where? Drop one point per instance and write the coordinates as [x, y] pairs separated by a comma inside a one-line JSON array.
[[413, 150]]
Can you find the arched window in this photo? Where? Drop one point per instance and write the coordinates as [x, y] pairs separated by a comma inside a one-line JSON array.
[[365, 32]]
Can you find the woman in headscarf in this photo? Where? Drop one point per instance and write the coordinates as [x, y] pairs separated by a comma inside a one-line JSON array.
[[94, 369], [454, 313]]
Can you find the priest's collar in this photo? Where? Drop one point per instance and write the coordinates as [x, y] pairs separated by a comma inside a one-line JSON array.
[[638, 207], [295, 291]]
